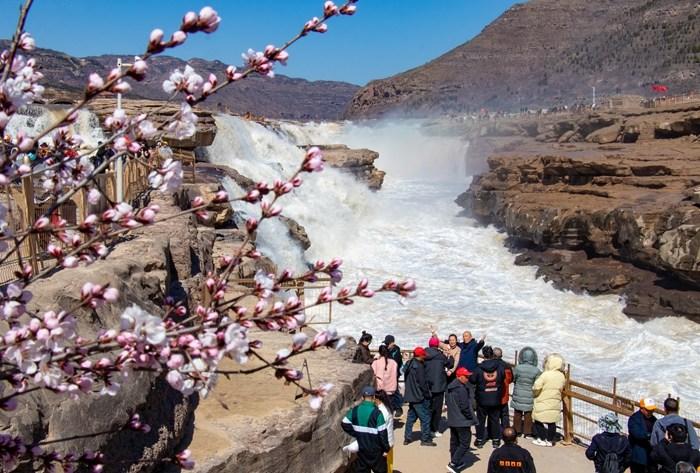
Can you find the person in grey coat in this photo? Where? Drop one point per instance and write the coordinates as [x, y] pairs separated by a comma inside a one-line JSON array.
[[524, 376], [460, 417]]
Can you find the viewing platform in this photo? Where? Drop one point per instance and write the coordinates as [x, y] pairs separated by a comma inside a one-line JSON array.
[[413, 458]]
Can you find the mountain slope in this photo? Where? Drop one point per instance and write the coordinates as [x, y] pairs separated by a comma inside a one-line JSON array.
[[281, 97], [547, 52]]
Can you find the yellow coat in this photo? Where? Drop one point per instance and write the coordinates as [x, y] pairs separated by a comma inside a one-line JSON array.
[[547, 391]]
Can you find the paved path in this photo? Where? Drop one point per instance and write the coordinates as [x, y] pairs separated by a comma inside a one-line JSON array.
[[413, 458]]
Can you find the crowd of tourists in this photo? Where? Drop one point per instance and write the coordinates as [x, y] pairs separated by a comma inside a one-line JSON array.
[[476, 388]]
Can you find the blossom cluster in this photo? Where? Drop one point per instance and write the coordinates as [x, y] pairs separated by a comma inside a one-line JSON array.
[[41, 348]]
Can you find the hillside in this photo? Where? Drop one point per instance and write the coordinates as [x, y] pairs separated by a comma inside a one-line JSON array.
[[548, 52], [281, 97]]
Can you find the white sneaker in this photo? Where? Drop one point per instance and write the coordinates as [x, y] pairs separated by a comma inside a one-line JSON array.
[[538, 442], [547, 444], [436, 434]]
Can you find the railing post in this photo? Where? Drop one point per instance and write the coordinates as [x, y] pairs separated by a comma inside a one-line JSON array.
[[614, 392], [28, 192], [568, 408]]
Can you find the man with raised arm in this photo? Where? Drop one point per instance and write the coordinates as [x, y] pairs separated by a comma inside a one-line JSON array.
[[469, 350]]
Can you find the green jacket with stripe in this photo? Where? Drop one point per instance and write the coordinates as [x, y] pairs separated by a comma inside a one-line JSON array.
[[366, 423]]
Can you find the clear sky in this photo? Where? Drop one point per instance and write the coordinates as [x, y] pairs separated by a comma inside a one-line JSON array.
[[385, 37]]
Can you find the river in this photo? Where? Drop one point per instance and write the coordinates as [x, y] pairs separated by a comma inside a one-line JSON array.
[[466, 277]]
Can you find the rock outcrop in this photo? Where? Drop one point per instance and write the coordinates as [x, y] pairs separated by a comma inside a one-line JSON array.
[[620, 218], [573, 46], [163, 259], [358, 162], [256, 423]]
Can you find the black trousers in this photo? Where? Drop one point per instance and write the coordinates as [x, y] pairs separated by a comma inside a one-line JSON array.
[[436, 411], [370, 463], [489, 421], [545, 431], [505, 416], [636, 468], [460, 438]]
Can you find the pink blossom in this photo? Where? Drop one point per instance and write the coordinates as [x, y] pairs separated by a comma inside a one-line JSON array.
[[138, 69], [330, 9], [184, 459], [156, 36], [26, 42], [178, 38], [231, 74], [317, 397], [95, 83], [348, 10], [313, 160], [186, 123], [189, 21], [168, 178], [208, 20], [93, 196]]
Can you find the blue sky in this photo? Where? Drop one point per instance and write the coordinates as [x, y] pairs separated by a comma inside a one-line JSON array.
[[384, 38]]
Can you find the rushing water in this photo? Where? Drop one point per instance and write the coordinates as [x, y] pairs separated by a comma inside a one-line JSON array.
[[466, 277]]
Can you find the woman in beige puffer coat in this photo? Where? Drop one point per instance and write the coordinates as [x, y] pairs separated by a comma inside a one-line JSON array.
[[547, 407]]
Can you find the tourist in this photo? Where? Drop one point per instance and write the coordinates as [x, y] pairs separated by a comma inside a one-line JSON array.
[[511, 457], [505, 396], [671, 406], [609, 450], [468, 350], [436, 366], [488, 378], [460, 418], [524, 375], [384, 369], [451, 350], [383, 401], [675, 448], [640, 427], [417, 394], [394, 353], [362, 353], [367, 424], [546, 411]]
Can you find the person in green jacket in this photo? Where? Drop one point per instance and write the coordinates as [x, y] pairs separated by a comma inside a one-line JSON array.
[[524, 375], [367, 424]]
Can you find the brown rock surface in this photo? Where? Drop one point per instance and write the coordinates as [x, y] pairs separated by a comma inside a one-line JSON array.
[[624, 214], [358, 162], [253, 423], [143, 269]]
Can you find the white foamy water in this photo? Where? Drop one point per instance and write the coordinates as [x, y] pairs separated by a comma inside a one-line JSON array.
[[466, 278]]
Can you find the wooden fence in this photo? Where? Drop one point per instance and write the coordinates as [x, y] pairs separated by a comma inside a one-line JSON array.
[[583, 404], [27, 205]]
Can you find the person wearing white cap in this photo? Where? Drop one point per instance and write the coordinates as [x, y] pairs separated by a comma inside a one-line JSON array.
[[640, 426]]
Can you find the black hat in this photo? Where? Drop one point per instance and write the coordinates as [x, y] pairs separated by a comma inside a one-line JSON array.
[[368, 391], [389, 339]]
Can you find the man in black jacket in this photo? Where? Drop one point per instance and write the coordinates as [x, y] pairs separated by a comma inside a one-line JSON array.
[[511, 457], [436, 366], [460, 418], [675, 448], [417, 394], [489, 379]]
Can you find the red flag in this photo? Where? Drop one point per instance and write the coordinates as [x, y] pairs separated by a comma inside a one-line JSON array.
[[659, 88]]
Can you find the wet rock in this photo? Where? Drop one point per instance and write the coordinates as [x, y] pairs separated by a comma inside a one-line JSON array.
[[358, 162]]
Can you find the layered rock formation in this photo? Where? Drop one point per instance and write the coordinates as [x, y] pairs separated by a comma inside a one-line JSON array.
[[358, 162], [165, 259], [548, 52], [615, 218], [256, 423]]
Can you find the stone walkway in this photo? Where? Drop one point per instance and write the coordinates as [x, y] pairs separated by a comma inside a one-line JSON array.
[[413, 458]]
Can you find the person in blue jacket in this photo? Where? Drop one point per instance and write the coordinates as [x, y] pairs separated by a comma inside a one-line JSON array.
[[640, 426]]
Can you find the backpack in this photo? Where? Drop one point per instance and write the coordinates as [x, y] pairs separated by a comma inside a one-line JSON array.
[[611, 462]]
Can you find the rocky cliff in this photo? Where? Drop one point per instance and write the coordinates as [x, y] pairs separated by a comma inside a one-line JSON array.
[[547, 52], [618, 217], [358, 162], [281, 97]]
